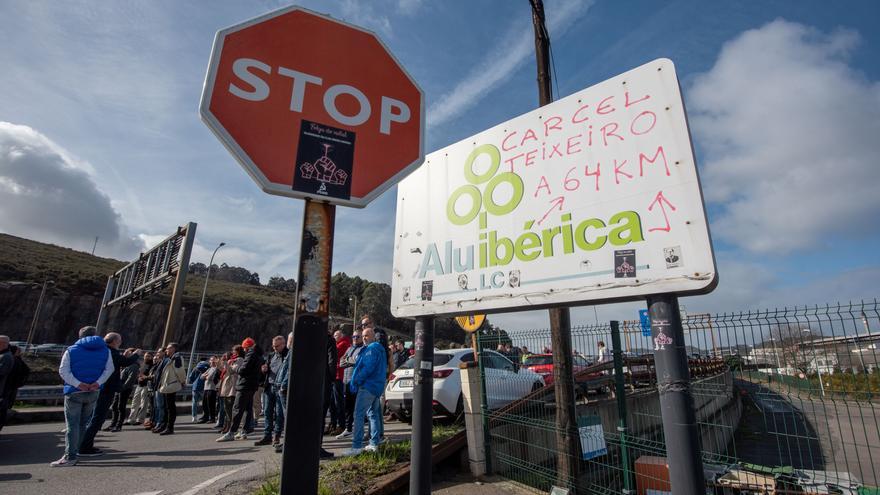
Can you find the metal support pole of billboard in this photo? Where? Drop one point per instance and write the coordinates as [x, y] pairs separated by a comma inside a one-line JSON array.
[[676, 401], [104, 310], [179, 283], [305, 397], [33, 329], [567, 438], [622, 419], [192, 351], [422, 418]]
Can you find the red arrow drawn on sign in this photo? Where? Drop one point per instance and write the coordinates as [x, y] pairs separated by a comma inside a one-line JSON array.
[[554, 204], [659, 200]]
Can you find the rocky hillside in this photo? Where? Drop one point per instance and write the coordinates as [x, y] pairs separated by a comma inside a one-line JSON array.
[[232, 310]]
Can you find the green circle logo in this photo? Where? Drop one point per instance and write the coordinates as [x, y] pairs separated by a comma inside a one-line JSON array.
[[479, 200]]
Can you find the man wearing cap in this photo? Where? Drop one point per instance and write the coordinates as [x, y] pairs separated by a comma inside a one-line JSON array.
[[248, 381]]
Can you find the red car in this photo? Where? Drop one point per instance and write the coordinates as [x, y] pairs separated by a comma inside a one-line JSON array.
[[542, 364]]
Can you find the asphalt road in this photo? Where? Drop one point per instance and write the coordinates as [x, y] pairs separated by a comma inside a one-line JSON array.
[[138, 462], [812, 433]]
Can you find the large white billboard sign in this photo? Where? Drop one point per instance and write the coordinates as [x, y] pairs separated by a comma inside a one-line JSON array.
[[594, 197]]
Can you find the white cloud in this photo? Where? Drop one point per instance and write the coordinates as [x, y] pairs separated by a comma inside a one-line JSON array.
[[502, 59], [47, 195], [790, 132]]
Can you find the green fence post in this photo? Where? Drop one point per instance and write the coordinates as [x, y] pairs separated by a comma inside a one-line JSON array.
[[620, 392]]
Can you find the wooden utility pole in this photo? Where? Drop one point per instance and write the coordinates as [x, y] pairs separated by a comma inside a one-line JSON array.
[[567, 438]]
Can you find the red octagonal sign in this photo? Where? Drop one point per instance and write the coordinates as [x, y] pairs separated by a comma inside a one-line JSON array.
[[313, 107]]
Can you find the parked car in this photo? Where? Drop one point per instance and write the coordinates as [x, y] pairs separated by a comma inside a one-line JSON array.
[[49, 349], [505, 383], [542, 364]]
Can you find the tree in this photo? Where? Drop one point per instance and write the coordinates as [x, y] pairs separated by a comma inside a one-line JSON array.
[[198, 269], [280, 283], [491, 336], [235, 274], [790, 343], [376, 301]]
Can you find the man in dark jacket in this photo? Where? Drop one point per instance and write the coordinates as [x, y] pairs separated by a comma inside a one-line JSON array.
[[105, 398], [248, 382], [128, 380]]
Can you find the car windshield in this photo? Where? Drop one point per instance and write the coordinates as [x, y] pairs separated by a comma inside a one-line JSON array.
[[439, 360], [538, 360]]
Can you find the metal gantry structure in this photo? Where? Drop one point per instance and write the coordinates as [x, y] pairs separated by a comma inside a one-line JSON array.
[[166, 262]]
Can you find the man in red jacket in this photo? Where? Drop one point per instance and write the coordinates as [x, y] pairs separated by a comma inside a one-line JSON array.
[[337, 397]]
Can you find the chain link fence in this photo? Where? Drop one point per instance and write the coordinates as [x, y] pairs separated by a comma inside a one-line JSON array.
[[786, 401]]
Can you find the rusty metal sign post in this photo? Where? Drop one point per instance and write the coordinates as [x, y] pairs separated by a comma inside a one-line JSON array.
[[299, 466]]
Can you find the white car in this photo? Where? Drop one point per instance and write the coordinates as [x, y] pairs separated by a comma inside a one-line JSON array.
[[505, 383]]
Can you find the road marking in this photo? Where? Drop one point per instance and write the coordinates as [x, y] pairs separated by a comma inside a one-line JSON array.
[[205, 484], [149, 493]]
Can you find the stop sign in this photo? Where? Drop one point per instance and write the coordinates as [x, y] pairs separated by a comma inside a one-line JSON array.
[[313, 107]]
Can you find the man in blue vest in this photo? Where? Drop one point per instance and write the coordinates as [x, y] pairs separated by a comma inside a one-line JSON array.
[[85, 366], [105, 398]]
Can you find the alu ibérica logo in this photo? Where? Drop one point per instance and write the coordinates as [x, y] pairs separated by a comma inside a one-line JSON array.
[[621, 229]]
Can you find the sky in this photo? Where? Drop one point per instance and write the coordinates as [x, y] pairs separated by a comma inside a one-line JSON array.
[[100, 134]]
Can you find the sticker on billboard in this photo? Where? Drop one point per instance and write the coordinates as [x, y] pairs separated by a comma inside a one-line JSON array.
[[324, 160], [625, 263], [427, 290], [573, 203], [513, 279], [672, 256]]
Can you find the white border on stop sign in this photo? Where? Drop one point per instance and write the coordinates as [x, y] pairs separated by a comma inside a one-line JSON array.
[[244, 160]]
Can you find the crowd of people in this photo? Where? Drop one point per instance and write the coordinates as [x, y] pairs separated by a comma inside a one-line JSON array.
[[229, 391]]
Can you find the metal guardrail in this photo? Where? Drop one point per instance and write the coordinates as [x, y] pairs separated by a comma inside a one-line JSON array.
[[43, 393]]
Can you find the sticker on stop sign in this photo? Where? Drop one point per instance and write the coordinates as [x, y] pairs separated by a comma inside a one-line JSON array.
[[288, 92]]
